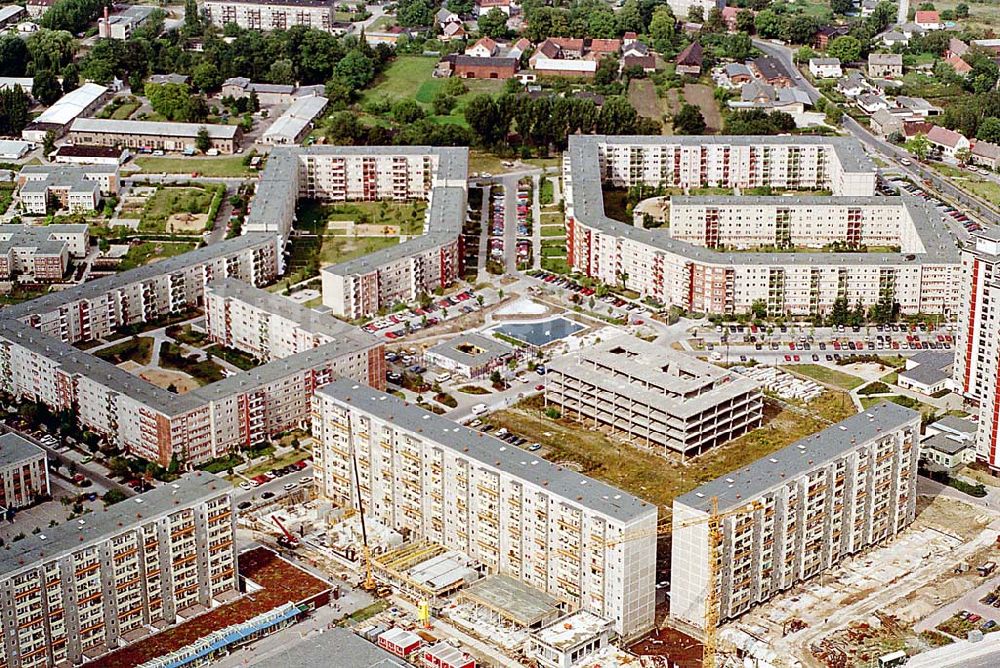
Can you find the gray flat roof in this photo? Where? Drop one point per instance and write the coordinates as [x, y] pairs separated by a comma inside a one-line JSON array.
[[39, 237], [742, 485], [15, 449], [110, 126], [488, 349], [188, 490], [338, 644], [925, 374], [575, 489], [956, 424], [588, 205], [949, 445], [517, 600]]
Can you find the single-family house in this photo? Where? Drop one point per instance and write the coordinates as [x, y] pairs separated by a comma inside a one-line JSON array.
[[452, 32], [961, 67], [884, 123], [825, 68], [760, 95], [986, 155], [853, 84], [444, 17], [918, 106], [893, 37], [689, 60], [485, 6], [484, 48], [729, 17], [737, 74], [956, 47], [947, 141], [827, 34], [634, 48], [868, 7], [988, 44], [870, 103], [518, 48], [771, 71], [928, 20], [882, 65], [646, 63]]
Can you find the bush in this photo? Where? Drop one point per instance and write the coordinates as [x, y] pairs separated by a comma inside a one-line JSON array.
[[876, 387], [552, 413]]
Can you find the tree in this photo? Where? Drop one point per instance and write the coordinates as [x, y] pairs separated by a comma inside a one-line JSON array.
[[282, 71], [689, 120], [617, 117], [14, 106], [191, 19], [203, 142], [49, 143], [629, 18], [714, 23], [739, 46], [118, 467], [71, 78], [356, 68], [663, 30], [460, 7], [989, 130], [607, 72], [767, 23], [758, 122], [113, 496], [206, 76], [759, 309], [696, 14], [14, 56], [411, 13], [483, 116], [834, 114], [443, 104], [804, 54], [962, 11], [846, 48], [45, 87], [51, 48], [841, 6], [963, 155], [407, 111], [493, 24], [919, 147], [744, 21]]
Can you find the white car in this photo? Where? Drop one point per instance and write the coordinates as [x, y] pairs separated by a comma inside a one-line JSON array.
[[479, 409], [245, 485], [306, 480], [290, 486]]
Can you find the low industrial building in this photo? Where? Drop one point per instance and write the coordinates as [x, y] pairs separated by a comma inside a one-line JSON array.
[[153, 135], [947, 452], [542, 525], [77, 189], [11, 14], [653, 396], [41, 252], [569, 641], [24, 472], [57, 119], [267, 94], [78, 590], [788, 517], [928, 372], [470, 355], [123, 25], [72, 154], [318, 650], [295, 123], [12, 149]]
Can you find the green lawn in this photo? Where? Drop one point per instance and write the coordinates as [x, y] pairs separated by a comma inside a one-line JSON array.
[[151, 251], [167, 201], [335, 251], [137, 349], [906, 402], [970, 181], [826, 375], [123, 112], [204, 371], [229, 166], [409, 217], [403, 78], [552, 230], [238, 358]]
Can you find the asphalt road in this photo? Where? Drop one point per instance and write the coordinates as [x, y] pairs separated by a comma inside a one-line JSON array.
[[276, 486]]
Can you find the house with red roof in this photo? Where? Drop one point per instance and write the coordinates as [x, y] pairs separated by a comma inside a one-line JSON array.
[[729, 15], [928, 20], [484, 6], [961, 67], [484, 48], [947, 141]]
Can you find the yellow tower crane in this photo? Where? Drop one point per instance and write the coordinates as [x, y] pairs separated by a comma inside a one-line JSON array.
[[714, 521]]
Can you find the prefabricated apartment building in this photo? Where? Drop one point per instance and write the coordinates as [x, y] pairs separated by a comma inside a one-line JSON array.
[[709, 265], [796, 513], [656, 397]]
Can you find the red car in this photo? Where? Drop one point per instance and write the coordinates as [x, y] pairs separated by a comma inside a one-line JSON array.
[[539, 387], [795, 357], [788, 358]]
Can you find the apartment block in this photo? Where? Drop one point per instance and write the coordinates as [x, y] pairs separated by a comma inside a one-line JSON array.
[[81, 589], [790, 516], [977, 353], [153, 135], [653, 396], [267, 15], [709, 266], [42, 252], [591, 546], [74, 188], [24, 474]]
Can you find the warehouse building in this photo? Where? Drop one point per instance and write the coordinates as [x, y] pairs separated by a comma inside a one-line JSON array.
[[83, 101], [24, 472], [517, 515], [267, 15], [42, 252], [81, 589], [714, 279], [790, 516], [296, 122], [652, 396], [153, 135]]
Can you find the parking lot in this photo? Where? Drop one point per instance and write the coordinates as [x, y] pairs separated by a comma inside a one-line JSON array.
[[397, 325], [617, 306], [275, 483], [898, 185]]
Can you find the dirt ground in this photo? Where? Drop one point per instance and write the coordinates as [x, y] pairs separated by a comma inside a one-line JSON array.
[[642, 95], [351, 229], [684, 651], [163, 378], [130, 366], [704, 97], [187, 222]]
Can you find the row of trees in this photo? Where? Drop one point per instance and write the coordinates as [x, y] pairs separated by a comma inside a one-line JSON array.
[[14, 106]]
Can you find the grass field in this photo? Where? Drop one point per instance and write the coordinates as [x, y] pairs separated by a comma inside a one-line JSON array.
[[409, 217], [906, 402], [204, 371], [654, 478], [229, 166], [138, 349], [151, 251], [826, 375], [552, 230], [167, 201], [402, 79], [974, 183]]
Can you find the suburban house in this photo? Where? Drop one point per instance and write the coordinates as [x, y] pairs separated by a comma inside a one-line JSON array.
[[768, 69], [986, 155], [568, 56], [737, 74], [885, 65], [928, 20], [947, 141], [689, 60], [760, 95], [646, 63], [444, 17], [452, 31], [825, 68], [956, 47], [853, 85], [870, 102], [729, 17], [884, 123], [988, 44], [485, 6], [893, 37], [949, 443], [484, 48], [917, 106], [827, 34], [961, 67], [634, 48]]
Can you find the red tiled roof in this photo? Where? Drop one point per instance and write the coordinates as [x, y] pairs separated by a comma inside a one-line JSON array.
[[568, 43], [927, 16], [645, 62], [487, 43], [605, 45], [960, 66]]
